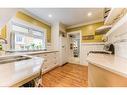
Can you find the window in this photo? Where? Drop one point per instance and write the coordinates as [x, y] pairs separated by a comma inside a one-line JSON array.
[[25, 38]]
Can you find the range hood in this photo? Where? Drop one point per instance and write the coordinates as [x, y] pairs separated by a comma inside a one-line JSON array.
[[103, 29]]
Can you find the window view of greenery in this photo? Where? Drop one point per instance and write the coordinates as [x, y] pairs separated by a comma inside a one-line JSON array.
[[27, 38]]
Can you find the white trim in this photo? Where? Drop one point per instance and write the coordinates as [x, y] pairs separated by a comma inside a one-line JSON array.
[[35, 17], [80, 33], [87, 23], [94, 43], [19, 21]]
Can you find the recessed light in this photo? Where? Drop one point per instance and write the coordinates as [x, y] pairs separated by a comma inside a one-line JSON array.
[[89, 14], [50, 15]]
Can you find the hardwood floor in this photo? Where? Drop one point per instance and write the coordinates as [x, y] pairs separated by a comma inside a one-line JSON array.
[[68, 75]]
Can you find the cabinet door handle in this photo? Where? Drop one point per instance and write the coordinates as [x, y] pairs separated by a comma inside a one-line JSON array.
[[45, 55]]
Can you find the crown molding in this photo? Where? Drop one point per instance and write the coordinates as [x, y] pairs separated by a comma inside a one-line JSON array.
[[34, 16], [87, 23]]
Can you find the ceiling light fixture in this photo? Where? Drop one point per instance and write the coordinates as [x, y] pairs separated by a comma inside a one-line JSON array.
[[50, 16], [89, 14]]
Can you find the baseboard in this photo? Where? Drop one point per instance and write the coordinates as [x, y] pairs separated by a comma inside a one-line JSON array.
[[78, 64], [50, 69], [64, 64]]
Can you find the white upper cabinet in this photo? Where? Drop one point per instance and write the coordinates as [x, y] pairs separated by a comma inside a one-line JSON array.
[[113, 15], [119, 26]]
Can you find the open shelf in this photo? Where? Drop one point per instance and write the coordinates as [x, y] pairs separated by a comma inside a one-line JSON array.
[[114, 12], [119, 26]]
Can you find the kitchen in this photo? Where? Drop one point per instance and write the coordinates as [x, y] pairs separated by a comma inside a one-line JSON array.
[[57, 47]]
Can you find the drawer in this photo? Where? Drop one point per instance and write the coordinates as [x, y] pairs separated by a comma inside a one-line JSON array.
[[44, 66], [37, 55], [50, 63], [52, 54], [49, 58]]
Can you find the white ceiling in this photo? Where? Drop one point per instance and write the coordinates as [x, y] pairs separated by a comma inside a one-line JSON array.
[[67, 16]]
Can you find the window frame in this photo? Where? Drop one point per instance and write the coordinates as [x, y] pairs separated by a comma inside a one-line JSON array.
[[30, 28]]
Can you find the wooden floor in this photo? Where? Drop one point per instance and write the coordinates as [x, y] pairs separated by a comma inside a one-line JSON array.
[[68, 75]]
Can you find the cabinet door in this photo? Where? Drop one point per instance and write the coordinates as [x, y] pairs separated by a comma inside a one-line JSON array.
[[50, 60]]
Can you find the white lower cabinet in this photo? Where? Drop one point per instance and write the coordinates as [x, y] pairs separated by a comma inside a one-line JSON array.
[[50, 60]]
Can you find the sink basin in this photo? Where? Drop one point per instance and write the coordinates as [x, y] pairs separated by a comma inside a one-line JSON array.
[[9, 59]]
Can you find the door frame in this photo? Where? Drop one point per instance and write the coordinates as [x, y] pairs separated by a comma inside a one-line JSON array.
[[75, 32]]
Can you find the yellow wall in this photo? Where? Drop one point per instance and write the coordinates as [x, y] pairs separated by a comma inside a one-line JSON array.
[[89, 30], [3, 32], [33, 21]]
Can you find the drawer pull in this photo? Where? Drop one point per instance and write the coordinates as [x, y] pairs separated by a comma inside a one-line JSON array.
[[45, 55], [45, 60]]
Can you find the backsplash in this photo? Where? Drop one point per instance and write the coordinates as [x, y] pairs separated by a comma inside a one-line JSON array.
[[118, 37], [120, 46], [121, 49]]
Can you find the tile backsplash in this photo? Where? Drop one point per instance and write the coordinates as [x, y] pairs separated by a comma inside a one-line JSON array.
[[121, 49]]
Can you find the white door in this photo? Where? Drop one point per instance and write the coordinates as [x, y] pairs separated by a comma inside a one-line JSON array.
[[63, 46], [74, 52]]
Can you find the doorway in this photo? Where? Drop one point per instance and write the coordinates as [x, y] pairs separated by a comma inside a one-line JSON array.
[[74, 41]]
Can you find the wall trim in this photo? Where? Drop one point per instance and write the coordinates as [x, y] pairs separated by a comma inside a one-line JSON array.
[[82, 24], [94, 43]]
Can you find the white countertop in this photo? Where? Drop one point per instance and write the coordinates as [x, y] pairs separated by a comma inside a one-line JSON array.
[[109, 62], [14, 72]]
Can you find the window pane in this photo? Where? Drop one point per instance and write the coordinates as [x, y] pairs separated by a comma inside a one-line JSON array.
[[19, 39], [19, 29], [23, 42]]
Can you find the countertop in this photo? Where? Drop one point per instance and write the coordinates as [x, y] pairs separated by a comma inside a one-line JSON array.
[[14, 72], [112, 63]]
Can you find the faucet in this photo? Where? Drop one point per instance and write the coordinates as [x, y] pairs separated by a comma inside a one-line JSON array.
[[5, 41]]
